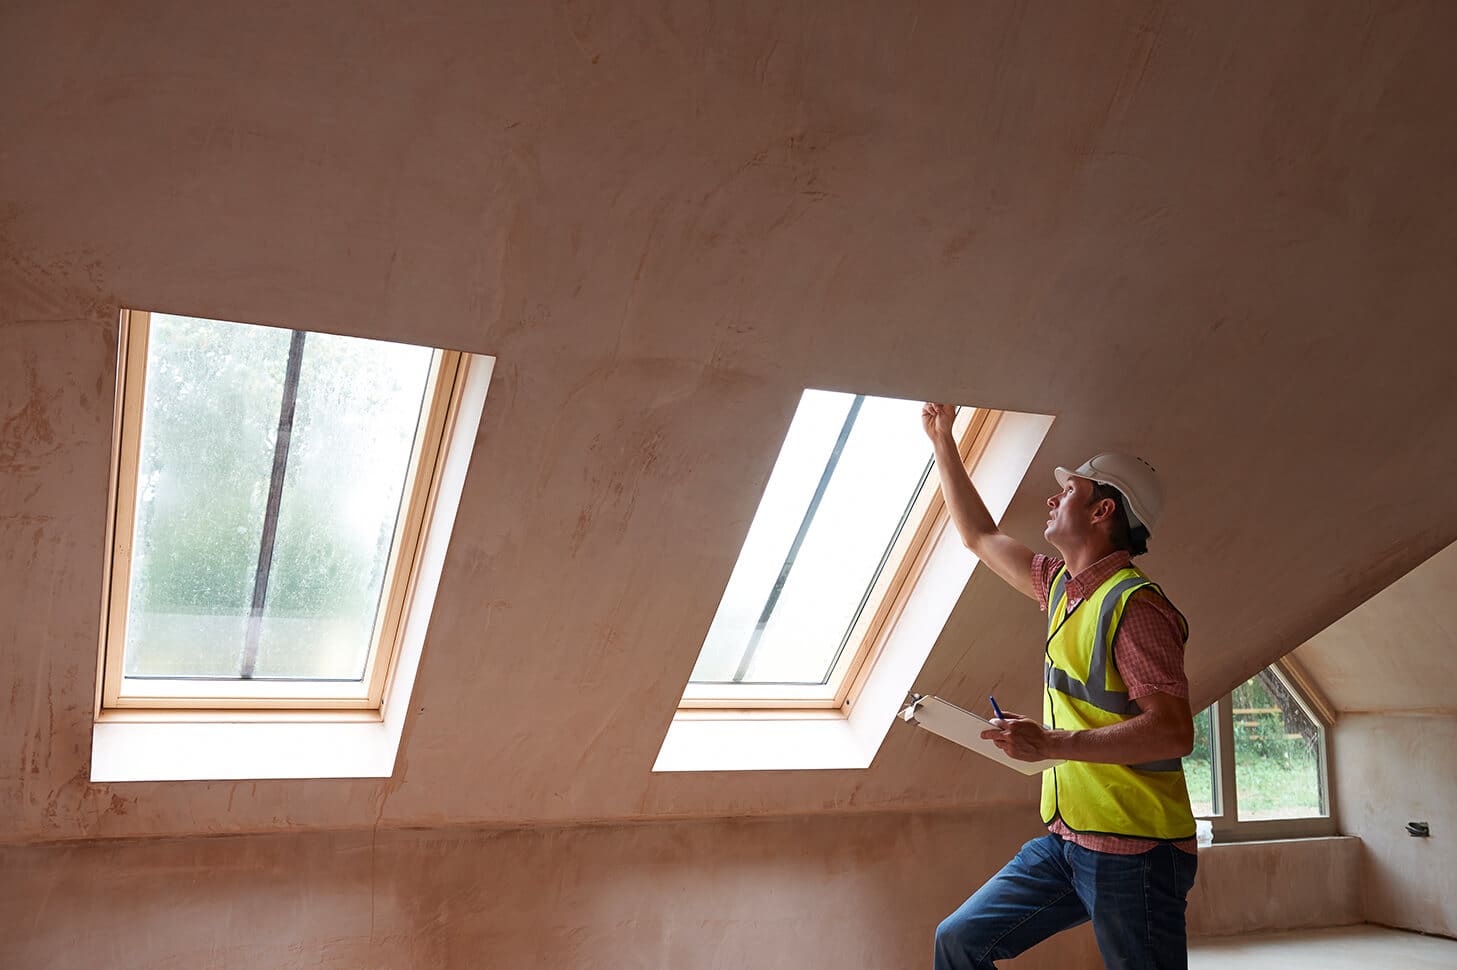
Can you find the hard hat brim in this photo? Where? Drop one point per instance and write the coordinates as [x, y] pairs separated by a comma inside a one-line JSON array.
[[1087, 471]]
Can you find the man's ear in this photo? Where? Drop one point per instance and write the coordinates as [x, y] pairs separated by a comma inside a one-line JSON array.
[[1103, 509]]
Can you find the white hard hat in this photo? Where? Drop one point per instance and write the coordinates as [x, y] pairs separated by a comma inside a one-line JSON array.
[[1142, 494]]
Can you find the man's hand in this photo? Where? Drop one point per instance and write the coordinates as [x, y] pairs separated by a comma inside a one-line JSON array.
[[938, 420], [1023, 738], [1161, 729]]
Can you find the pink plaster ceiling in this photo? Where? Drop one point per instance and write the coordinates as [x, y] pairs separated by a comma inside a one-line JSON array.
[[1219, 235], [1398, 650]]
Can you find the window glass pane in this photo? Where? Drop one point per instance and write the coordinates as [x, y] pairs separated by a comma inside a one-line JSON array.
[[1199, 767], [848, 471], [1276, 752], [208, 424], [358, 404], [210, 428]]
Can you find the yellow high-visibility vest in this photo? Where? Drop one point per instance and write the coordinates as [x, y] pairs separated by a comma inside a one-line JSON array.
[[1083, 690]]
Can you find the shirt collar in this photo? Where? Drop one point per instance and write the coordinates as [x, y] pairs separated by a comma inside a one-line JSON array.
[[1085, 583]]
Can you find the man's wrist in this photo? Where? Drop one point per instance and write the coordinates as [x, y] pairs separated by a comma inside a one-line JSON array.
[[1059, 744]]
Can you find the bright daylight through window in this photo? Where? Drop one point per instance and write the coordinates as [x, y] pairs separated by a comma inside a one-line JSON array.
[[1258, 767], [834, 539], [271, 486]]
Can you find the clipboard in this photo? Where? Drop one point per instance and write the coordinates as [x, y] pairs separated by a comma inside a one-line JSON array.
[[964, 728]]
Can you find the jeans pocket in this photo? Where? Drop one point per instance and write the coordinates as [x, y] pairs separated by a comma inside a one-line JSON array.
[[1186, 866]]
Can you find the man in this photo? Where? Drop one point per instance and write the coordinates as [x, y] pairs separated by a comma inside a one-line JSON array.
[[1120, 847]]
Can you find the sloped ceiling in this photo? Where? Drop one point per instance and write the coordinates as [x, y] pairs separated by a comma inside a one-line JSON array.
[[1398, 650], [1219, 235]]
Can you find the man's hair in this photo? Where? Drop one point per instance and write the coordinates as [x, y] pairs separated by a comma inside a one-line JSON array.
[[1134, 539]]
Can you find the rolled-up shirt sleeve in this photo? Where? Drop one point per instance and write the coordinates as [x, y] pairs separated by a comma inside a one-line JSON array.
[[1149, 648]]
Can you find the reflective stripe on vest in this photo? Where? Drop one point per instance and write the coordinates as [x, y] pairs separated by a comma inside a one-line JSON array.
[[1147, 800], [1095, 691]]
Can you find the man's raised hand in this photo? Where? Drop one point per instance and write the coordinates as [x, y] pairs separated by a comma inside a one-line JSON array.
[[938, 420]]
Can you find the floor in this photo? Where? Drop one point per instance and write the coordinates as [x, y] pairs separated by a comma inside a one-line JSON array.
[[1341, 948]]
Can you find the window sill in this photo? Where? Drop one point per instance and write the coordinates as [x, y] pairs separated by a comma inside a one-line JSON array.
[[1232, 844], [245, 745], [787, 740], [125, 715]]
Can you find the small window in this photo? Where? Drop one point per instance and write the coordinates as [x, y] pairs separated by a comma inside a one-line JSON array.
[[1199, 769], [1278, 769], [271, 488], [1258, 767], [836, 537]]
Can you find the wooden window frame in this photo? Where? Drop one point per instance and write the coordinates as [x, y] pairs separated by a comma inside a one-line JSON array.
[[1228, 827], [973, 430], [132, 697]]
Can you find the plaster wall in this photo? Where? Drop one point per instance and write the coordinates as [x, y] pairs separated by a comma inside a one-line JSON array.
[[1393, 652], [1170, 225], [841, 890], [860, 891], [1391, 769], [1388, 666], [1158, 221], [1257, 887]]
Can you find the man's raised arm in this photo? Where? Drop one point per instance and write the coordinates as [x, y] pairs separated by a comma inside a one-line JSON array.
[[1008, 558]]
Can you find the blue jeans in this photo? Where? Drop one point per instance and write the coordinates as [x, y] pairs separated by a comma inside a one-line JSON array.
[[1136, 903]]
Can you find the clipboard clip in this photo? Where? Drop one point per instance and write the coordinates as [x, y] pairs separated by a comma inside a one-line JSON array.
[[913, 704]]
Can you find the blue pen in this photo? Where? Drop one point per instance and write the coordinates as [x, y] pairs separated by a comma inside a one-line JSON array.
[[1000, 715]]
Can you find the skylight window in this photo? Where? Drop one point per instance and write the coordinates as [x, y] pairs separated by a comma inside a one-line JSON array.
[[840, 524], [271, 490]]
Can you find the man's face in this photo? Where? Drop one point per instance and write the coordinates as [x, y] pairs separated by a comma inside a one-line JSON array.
[[1070, 516]]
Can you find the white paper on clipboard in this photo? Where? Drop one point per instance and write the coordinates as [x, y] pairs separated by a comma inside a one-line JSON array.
[[964, 728]]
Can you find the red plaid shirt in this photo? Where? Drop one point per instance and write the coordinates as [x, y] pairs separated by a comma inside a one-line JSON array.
[[1148, 651]]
